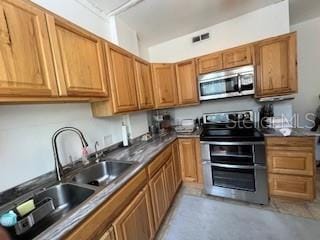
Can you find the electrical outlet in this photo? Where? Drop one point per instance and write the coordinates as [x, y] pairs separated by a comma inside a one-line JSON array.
[[107, 140]]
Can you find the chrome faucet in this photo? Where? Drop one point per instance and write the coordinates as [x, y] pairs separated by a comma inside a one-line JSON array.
[[58, 165]]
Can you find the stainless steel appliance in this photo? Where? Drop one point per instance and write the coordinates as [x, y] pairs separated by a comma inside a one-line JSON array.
[[228, 83], [233, 155]]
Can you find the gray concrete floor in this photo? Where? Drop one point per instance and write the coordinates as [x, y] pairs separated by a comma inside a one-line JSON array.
[[190, 215]]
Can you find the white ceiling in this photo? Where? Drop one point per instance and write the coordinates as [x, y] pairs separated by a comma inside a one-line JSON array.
[[157, 21]]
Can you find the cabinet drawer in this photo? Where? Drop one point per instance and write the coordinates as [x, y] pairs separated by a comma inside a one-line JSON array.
[[159, 161], [291, 162], [290, 141], [291, 186]]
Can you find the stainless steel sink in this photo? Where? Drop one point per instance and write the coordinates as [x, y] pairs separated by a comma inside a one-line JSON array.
[[65, 197], [102, 173]]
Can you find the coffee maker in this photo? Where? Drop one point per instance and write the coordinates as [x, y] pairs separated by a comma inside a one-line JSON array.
[[266, 112]]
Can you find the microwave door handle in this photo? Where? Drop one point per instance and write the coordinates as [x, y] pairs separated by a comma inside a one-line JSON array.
[[239, 83]]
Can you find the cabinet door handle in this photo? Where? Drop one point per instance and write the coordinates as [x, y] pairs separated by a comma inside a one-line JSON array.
[[7, 26]]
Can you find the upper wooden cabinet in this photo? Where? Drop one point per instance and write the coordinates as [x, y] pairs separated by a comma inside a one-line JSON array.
[[26, 67], [144, 84], [187, 82], [165, 85], [209, 63], [122, 79], [236, 57], [136, 221], [78, 58], [276, 64]]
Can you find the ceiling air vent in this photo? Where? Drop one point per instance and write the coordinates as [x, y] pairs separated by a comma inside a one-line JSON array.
[[201, 37]]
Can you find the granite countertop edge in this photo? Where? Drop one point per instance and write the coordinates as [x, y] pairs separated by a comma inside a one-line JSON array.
[[66, 225]]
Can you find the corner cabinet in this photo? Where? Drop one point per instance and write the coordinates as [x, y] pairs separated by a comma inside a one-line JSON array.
[[26, 67], [276, 65], [122, 79], [78, 58], [165, 85], [136, 221], [187, 82], [144, 84]]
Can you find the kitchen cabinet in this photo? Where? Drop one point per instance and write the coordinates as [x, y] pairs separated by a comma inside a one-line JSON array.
[[170, 181], [159, 198], [291, 167], [108, 235], [237, 57], [187, 82], [165, 85], [144, 84], [26, 66], [136, 221], [176, 164], [209, 63], [122, 79], [276, 66], [189, 149], [78, 58]]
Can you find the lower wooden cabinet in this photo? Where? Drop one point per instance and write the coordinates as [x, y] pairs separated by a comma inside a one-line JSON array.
[[170, 181], [291, 167], [189, 149], [176, 164], [108, 235], [136, 221], [159, 197]]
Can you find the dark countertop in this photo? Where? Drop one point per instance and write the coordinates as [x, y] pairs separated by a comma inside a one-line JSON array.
[[140, 152], [295, 132]]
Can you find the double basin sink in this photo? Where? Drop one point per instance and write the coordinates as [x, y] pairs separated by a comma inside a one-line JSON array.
[[75, 191]]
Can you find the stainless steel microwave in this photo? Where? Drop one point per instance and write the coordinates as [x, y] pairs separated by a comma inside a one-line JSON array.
[[228, 83]]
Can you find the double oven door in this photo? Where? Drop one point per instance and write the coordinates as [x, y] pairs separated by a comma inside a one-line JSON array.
[[236, 170]]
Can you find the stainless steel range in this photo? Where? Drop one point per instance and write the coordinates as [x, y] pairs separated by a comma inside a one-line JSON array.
[[233, 155]]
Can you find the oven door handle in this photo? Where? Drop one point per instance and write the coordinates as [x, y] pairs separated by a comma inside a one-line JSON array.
[[231, 166]]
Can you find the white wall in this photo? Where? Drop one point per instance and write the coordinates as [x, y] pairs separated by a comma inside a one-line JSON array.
[[263, 23], [308, 37]]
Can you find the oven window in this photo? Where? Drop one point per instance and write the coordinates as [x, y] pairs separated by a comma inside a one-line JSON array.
[[235, 155], [241, 179], [221, 86]]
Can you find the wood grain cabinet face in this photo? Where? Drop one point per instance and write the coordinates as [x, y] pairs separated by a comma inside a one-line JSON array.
[[108, 235], [79, 61], [187, 82], [164, 84], [188, 158], [160, 201], [237, 57], [144, 84], [170, 181], [177, 164], [26, 66], [121, 67], [136, 221], [276, 61], [209, 63]]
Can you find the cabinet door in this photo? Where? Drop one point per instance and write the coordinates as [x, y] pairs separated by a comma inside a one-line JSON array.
[[26, 66], [78, 58], [122, 79], [188, 158], [136, 222], [237, 57], [291, 186], [108, 235], [165, 86], [170, 179], [209, 63], [144, 84], [160, 201], [276, 61], [187, 82], [176, 164]]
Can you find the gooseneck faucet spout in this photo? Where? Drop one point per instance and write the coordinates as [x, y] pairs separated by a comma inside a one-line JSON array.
[[58, 165]]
